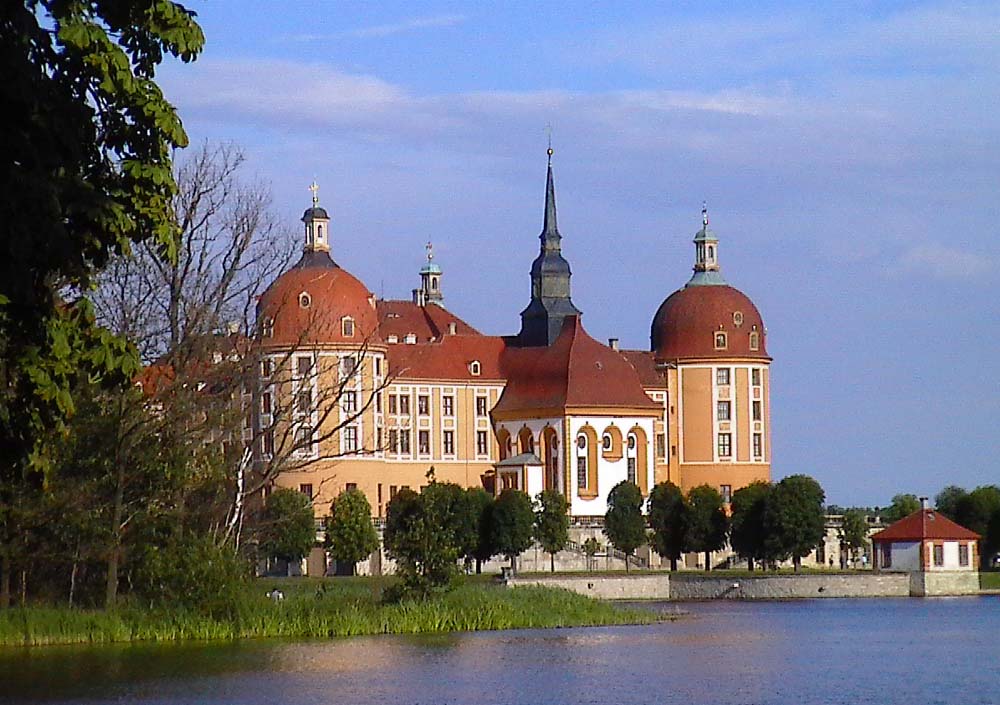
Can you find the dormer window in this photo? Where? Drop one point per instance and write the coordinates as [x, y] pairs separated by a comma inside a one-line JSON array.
[[392, 339], [347, 326], [411, 338], [305, 301], [754, 340], [267, 328], [737, 318], [720, 340], [475, 369]]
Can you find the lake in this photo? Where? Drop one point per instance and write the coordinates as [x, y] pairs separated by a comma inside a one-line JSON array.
[[885, 652]]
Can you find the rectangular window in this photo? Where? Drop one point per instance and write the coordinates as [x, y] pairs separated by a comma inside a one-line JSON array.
[[269, 442], [755, 376], [404, 441], [449, 442], [303, 439], [351, 486], [723, 410], [393, 440], [727, 493], [480, 406], [963, 554], [424, 442], [631, 470], [303, 401], [938, 554], [378, 402], [392, 491], [378, 438], [758, 445], [266, 368], [581, 472], [887, 555], [725, 445], [306, 489], [661, 445], [350, 439], [348, 366], [756, 411], [378, 367], [448, 403], [350, 402], [404, 404], [482, 443], [303, 365], [423, 405], [392, 403], [266, 403], [722, 376]]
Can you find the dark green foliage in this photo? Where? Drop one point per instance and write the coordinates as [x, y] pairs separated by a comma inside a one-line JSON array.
[[976, 511], [668, 519], [552, 523], [903, 505], [624, 524], [948, 499], [708, 524], [194, 573], [747, 533], [420, 537], [512, 522], [287, 527], [350, 534], [794, 519], [480, 504], [854, 531]]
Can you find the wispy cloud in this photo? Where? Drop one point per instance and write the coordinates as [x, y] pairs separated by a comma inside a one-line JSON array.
[[384, 30], [944, 262]]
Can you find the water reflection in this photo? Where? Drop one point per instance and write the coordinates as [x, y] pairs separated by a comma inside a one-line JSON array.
[[822, 651]]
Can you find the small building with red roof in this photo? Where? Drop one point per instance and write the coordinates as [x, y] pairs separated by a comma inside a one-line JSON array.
[[939, 554]]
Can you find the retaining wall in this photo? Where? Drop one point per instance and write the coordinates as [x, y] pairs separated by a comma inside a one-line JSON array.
[[642, 586]]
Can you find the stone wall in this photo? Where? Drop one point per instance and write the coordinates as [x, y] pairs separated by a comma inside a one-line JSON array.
[[667, 586], [939, 583]]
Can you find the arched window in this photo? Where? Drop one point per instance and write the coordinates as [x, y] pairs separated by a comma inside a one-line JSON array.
[[319, 233], [347, 326], [631, 459], [637, 436], [754, 340], [611, 444], [526, 440], [475, 369], [582, 469], [503, 440], [711, 254], [550, 454], [586, 462], [434, 283]]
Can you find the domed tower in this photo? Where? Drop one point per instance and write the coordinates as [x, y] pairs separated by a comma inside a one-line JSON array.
[[709, 338], [321, 365]]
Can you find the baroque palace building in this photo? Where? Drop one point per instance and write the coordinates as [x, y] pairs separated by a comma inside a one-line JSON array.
[[368, 393]]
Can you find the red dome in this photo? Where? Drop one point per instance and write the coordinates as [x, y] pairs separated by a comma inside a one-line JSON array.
[[309, 304], [687, 324]]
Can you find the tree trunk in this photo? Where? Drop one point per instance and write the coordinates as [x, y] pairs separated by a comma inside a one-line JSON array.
[[750, 564], [673, 564], [708, 561], [479, 567], [5, 568], [24, 588], [796, 563], [72, 582], [114, 555], [552, 562], [626, 562]]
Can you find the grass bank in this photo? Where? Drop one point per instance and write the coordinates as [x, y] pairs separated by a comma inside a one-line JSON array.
[[989, 580], [320, 608]]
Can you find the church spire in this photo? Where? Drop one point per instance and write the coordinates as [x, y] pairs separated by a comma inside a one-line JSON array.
[[317, 224], [706, 255], [550, 303]]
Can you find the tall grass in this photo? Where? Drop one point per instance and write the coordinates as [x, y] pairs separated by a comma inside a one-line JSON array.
[[312, 608]]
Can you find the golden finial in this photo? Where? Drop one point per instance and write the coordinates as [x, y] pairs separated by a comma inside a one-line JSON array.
[[314, 187], [548, 130], [430, 251]]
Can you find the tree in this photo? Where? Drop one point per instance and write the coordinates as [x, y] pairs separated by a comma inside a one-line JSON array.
[[794, 519], [480, 503], [903, 505], [708, 524], [86, 174], [512, 521], [668, 519], [975, 511], [287, 530], [746, 533], [948, 499], [854, 531], [552, 523], [624, 524], [419, 536], [590, 548], [350, 535]]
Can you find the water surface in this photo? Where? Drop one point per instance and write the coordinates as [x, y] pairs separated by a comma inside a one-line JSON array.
[[805, 652]]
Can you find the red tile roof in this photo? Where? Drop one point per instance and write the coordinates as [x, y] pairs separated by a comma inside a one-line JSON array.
[[686, 322], [448, 358], [400, 318], [575, 371], [925, 524], [644, 363]]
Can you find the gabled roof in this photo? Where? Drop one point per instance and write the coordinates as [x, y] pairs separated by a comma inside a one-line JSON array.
[[520, 460], [448, 359], [644, 363], [925, 524], [575, 371], [401, 318]]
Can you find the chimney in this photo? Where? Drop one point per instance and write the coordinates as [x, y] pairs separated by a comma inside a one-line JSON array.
[[613, 343], [452, 328], [924, 503], [419, 297]]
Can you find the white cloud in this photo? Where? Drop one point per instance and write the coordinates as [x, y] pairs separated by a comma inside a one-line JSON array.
[[945, 262], [382, 30]]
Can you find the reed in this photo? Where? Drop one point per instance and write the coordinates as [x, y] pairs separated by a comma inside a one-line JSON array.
[[312, 608]]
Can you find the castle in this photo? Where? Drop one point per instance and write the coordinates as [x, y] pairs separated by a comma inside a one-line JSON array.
[[368, 393]]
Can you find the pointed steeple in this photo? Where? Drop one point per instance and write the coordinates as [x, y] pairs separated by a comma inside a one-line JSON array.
[[706, 255], [550, 303]]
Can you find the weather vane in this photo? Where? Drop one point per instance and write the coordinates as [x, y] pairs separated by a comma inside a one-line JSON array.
[[704, 213], [430, 251]]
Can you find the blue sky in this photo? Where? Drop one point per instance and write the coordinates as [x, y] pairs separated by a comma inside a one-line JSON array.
[[850, 157]]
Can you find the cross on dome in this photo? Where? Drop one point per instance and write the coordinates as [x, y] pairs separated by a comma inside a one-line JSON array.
[[314, 187]]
